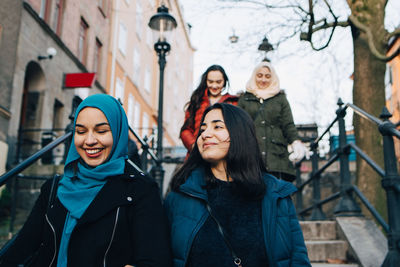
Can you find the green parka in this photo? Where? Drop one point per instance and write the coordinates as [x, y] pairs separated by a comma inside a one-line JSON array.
[[274, 127]]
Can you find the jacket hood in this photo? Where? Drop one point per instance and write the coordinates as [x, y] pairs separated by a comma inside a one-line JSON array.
[[195, 184], [279, 187]]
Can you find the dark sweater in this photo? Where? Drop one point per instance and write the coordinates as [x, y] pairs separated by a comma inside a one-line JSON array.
[[241, 220]]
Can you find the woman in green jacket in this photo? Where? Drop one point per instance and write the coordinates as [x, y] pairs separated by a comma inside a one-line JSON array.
[[272, 116]]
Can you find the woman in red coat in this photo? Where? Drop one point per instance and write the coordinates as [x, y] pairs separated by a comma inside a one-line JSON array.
[[213, 82]]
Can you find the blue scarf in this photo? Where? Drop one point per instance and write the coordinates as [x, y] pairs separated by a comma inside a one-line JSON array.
[[81, 183]]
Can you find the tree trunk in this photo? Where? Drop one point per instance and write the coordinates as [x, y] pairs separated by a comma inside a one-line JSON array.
[[369, 95]]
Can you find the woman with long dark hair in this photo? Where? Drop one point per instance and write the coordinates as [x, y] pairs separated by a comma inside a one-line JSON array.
[[212, 84], [224, 209]]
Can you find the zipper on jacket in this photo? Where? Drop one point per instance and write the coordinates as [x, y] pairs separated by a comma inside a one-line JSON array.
[[198, 227], [112, 237], [55, 241]]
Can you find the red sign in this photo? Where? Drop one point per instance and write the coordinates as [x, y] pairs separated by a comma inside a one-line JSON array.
[[75, 80]]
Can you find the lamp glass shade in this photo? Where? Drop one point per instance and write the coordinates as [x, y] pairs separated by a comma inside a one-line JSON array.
[[162, 23]]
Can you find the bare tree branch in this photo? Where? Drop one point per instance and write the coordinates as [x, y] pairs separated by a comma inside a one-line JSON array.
[[330, 25], [371, 43], [393, 33]]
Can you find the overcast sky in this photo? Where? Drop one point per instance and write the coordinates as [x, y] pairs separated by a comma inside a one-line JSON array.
[[312, 80]]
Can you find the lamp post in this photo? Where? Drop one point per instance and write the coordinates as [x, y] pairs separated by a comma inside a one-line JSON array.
[[265, 47], [162, 23]]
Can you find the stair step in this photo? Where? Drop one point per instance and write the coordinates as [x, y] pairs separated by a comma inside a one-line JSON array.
[[320, 250], [319, 230]]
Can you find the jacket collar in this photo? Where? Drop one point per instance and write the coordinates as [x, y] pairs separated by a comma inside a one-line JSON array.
[[195, 184], [224, 97], [278, 188]]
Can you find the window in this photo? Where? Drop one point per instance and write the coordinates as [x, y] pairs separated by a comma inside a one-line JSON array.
[[44, 12], [136, 114], [82, 41], [147, 80], [145, 125], [139, 19], [102, 4], [149, 37], [119, 90], [122, 38], [136, 67], [97, 57], [151, 3], [131, 103], [57, 16]]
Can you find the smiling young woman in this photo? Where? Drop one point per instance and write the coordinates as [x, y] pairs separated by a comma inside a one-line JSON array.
[[93, 138], [224, 209], [106, 213], [210, 91]]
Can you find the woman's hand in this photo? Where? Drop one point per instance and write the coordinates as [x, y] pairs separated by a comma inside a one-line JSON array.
[[299, 151]]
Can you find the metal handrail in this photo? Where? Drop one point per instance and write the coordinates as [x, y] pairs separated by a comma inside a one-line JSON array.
[[364, 114], [371, 163], [144, 145], [371, 208], [313, 175], [30, 160], [318, 139]]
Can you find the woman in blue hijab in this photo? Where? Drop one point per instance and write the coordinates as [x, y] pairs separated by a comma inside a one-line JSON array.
[[106, 213]]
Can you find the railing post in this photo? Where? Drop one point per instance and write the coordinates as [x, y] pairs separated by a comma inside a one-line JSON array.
[[347, 206], [70, 127], [143, 158], [299, 193], [317, 214], [391, 184]]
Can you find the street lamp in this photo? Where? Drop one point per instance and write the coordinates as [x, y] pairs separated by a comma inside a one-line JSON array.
[[265, 47], [161, 23]]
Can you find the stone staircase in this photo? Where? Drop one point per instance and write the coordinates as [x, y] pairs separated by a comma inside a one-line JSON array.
[[352, 241], [325, 247]]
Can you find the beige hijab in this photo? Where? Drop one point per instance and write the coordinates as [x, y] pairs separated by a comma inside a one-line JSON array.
[[272, 90]]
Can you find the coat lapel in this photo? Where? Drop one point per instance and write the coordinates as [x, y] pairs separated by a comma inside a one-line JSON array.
[[113, 194]]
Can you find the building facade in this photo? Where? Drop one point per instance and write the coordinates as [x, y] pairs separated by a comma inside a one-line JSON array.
[[33, 100], [133, 70]]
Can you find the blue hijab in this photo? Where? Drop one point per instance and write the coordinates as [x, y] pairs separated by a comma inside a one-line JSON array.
[[81, 183]]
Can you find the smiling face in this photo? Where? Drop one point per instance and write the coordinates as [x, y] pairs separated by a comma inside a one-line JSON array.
[[263, 78], [93, 138], [215, 83], [214, 140]]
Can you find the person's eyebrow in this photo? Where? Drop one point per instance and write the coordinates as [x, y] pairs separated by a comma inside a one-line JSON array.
[[97, 125], [215, 121], [102, 124]]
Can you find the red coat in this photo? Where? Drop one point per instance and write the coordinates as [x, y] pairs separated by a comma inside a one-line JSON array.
[[189, 134]]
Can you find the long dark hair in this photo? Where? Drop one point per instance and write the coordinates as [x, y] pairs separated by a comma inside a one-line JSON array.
[[195, 100], [244, 161]]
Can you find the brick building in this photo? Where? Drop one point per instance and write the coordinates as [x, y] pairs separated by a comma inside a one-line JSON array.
[[32, 96], [133, 70]]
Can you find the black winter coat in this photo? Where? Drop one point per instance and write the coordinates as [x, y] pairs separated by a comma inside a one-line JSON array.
[[125, 224]]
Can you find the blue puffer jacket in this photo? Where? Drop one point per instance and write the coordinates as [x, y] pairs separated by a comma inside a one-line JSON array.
[[282, 233]]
